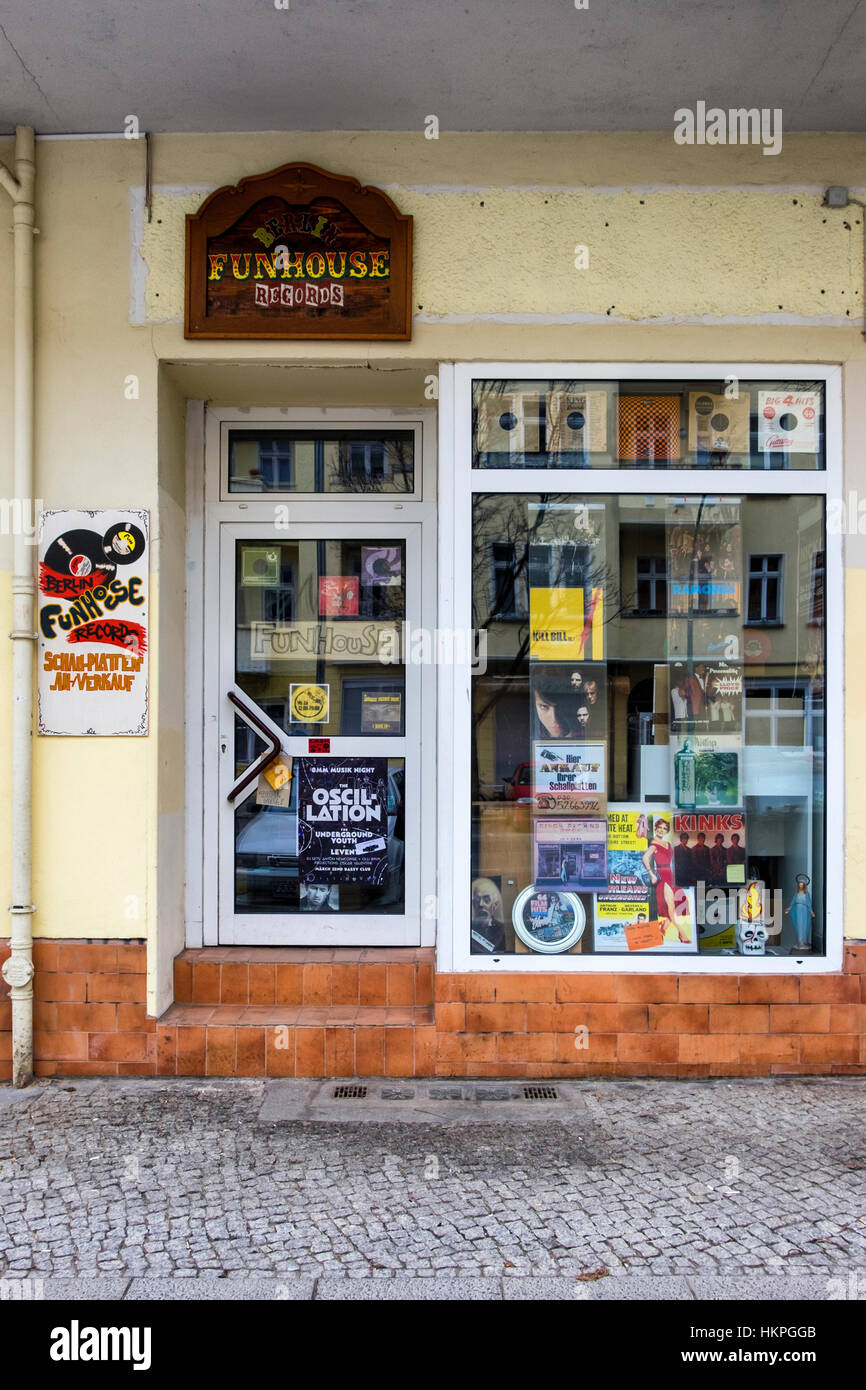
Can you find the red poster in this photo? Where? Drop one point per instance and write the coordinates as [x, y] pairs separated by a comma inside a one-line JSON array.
[[338, 597]]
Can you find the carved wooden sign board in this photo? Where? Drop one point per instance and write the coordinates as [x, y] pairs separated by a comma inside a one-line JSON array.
[[298, 253]]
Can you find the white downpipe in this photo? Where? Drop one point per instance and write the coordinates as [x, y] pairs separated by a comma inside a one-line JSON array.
[[18, 969]]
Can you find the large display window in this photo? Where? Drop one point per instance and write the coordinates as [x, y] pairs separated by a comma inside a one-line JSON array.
[[649, 780]]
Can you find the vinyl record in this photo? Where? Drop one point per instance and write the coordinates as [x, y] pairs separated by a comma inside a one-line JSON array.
[[123, 543], [77, 553], [548, 921], [718, 424]]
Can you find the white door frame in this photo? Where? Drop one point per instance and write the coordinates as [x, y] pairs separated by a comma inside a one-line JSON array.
[[209, 512]]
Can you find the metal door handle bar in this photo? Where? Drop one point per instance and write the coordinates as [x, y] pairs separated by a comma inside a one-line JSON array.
[[264, 759]]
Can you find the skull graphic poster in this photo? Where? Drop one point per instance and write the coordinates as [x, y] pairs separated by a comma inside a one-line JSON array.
[[343, 820], [93, 639]]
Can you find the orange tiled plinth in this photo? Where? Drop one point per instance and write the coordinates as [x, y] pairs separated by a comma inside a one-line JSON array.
[[293, 1012]]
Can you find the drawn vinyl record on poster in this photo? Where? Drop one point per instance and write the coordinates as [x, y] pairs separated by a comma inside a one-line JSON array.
[[718, 425], [508, 423], [381, 565], [93, 623], [576, 422], [788, 421]]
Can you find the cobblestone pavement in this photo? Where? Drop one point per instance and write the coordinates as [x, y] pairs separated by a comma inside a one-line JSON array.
[[173, 1178]]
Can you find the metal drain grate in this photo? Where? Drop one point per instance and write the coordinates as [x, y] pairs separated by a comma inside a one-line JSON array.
[[540, 1093], [350, 1092]]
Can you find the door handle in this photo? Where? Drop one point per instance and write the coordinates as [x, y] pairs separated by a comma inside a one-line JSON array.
[[274, 748]]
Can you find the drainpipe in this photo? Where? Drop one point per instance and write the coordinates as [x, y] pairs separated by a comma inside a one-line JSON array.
[[18, 969]]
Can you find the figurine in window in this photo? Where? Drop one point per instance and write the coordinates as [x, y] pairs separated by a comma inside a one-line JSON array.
[[800, 912]]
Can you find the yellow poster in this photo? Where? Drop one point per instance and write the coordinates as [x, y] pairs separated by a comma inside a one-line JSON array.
[[309, 704], [563, 628]]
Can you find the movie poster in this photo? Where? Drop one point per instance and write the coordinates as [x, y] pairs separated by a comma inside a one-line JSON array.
[[566, 624], [569, 778], [629, 830], [569, 700], [571, 854], [611, 916], [706, 696], [631, 926], [343, 820], [93, 623]]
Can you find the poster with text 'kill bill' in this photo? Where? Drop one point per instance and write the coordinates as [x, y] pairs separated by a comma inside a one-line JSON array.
[[93, 623], [566, 624]]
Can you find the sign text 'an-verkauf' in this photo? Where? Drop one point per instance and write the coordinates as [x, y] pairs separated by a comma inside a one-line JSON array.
[[93, 591], [298, 253]]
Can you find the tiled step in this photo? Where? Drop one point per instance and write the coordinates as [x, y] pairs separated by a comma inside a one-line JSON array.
[[312, 977], [296, 1040]]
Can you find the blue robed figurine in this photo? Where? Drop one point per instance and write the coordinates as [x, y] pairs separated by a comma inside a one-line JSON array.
[[800, 911]]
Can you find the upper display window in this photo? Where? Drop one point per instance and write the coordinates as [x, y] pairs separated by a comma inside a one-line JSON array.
[[723, 423], [331, 461]]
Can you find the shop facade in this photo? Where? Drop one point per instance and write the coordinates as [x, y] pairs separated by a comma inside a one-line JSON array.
[[410, 701]]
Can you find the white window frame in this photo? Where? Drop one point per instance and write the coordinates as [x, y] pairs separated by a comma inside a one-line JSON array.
[[458, 482], [764, 575]]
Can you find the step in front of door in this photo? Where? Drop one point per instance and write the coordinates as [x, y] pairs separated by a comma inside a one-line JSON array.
[[314, 976], [301, 1040]]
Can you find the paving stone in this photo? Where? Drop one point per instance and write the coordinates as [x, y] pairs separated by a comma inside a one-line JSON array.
[[403, 1287], [217, 1191]]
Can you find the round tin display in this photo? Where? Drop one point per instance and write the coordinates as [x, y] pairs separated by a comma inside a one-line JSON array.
[[548, 920]]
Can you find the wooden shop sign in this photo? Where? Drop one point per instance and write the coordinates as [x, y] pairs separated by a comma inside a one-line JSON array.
[[298, 253]]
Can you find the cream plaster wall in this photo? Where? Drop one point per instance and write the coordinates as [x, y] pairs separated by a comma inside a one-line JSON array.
[[712, 238]]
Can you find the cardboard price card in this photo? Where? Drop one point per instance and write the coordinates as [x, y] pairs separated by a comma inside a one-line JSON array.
[[93, 593], [642, 936]]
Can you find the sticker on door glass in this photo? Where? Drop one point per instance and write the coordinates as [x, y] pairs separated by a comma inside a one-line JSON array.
[[381, 564], [309, 704], [338, 596], [381, 714], [343, 820], [260, 566], [274, 786]]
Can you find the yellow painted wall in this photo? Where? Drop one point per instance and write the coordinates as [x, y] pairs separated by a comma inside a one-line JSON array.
[[715, 239]]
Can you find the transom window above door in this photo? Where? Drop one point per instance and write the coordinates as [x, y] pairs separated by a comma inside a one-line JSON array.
[[313, 462]]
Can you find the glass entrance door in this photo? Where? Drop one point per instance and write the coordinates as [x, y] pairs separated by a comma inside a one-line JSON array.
[[320, 770]]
